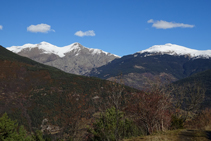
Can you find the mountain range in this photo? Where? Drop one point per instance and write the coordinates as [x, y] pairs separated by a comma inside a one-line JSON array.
[[73, 58], [169, 61]]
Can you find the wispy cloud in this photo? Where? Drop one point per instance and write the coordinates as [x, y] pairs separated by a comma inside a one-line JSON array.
[[165, 25], [43, 28], [1, 27], [86, 33]]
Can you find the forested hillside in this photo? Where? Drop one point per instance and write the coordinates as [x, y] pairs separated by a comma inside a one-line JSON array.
[[34, 94], [138, 68], [73, 107]]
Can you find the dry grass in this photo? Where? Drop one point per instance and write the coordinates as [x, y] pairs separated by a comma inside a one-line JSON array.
[[208, 127], [160, 136], [174, 135]]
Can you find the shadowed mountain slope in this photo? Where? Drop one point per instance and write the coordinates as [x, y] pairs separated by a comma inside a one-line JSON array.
[[139, 67], [34, 93]]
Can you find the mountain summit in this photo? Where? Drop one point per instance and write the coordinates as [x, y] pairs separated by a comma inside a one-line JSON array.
[[73, 58], [173, 49]]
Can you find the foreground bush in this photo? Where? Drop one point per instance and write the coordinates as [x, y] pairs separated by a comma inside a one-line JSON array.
[[176, 122], [112, 126]]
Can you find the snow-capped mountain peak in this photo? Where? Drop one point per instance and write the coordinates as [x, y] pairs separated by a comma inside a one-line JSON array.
[[73, 58], [173, 49], [48, 48]]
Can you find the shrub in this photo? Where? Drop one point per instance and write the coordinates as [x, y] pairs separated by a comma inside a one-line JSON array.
[[112, 125], [176, 122]]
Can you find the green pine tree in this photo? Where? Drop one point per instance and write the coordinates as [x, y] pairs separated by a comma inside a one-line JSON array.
[[9, 130]]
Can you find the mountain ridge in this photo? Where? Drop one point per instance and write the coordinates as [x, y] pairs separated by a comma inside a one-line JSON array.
[[169, 60], [60, 51], [168, 48], [73, 58], [173, 49]]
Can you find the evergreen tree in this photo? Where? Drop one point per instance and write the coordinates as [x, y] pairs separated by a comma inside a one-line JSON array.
[[9, 130]]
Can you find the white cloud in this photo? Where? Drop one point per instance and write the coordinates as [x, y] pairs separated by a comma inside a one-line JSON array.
[[86, 33], [150, 21], [44, 28], [165, 25], [1, 27]]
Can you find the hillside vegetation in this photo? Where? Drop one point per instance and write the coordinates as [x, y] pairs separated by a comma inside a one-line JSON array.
[[72, 107], [31, 92]]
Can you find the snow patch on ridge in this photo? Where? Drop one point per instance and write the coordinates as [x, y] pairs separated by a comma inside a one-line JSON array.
[[173, 49]]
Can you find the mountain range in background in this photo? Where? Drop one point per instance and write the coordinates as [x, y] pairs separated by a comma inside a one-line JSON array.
[[169, 61], [73, 58]]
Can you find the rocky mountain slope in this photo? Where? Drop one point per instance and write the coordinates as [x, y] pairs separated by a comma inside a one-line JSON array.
[[167, 61], [73, 58]]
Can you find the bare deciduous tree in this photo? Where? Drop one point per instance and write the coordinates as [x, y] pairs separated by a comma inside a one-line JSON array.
[[151, 110]]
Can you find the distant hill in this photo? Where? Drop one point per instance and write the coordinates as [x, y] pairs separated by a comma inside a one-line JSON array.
[[73, 58], [34, 93], [202, 78]]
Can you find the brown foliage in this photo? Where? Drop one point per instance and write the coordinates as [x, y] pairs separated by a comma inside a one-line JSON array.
[[151, 110], [201, 121]]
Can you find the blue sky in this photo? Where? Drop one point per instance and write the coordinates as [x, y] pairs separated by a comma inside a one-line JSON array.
[[120, 27]]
